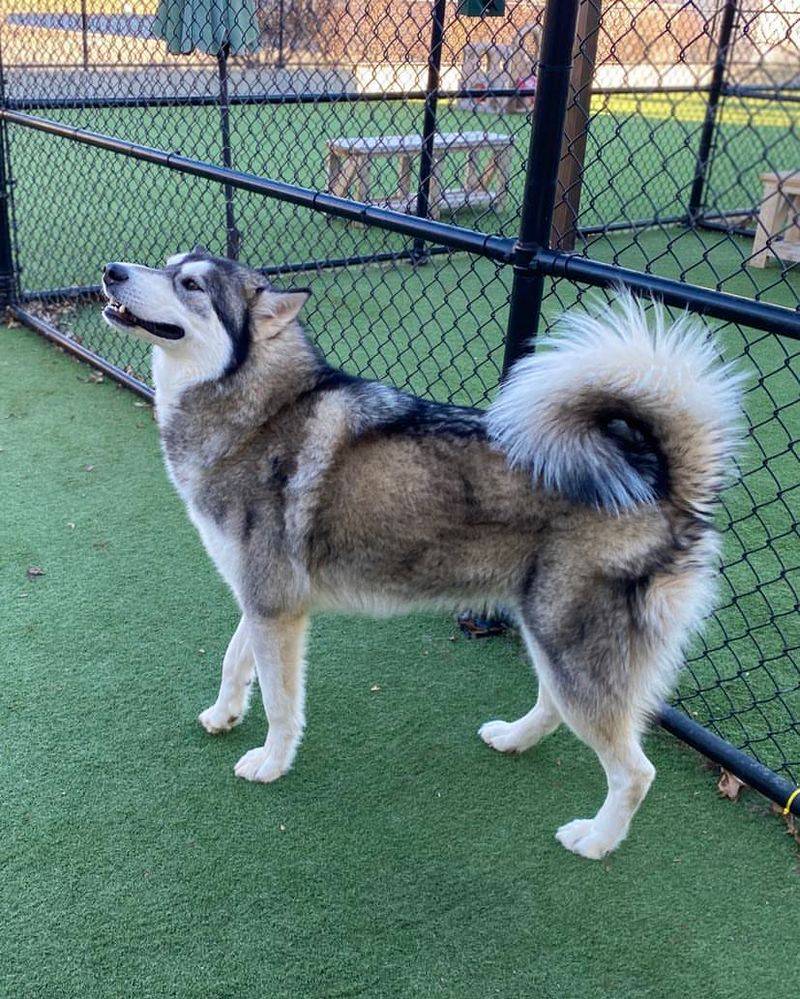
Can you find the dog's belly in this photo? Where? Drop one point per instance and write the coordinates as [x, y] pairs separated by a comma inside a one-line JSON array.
[[392, 573], [338, 591]]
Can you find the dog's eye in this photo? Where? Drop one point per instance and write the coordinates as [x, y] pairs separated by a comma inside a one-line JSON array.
[[191, 285]]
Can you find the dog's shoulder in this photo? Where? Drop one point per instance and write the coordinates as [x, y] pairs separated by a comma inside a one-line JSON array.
[[376, 409]]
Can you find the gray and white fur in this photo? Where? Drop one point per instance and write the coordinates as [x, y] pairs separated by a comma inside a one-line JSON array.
[[581, 500]]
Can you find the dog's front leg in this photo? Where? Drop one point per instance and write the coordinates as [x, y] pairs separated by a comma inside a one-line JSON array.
[[234, 689], [278, 645]]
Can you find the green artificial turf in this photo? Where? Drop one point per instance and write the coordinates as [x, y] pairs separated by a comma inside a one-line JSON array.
[[400, 858]]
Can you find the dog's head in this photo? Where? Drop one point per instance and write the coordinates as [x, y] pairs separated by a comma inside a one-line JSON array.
[[204, 311]]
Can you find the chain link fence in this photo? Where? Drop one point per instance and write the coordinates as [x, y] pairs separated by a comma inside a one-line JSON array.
[[695, 143], [383, 149]]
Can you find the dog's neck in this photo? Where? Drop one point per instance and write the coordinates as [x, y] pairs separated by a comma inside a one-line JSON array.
[[203, 416]]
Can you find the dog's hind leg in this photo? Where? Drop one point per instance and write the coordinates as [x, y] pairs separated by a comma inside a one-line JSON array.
[[527, 731], [278, 646], [594, 684], [629, 774], [605, 666], [234, 689]]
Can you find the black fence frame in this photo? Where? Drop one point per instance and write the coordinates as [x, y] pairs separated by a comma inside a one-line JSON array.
[[530, 255]]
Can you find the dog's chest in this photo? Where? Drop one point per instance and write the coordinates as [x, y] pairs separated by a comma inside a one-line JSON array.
[[221, 547]]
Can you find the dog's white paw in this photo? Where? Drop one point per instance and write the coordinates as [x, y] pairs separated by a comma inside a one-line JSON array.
[[262, 765], [583, 837], [502, 736], [215, 720]]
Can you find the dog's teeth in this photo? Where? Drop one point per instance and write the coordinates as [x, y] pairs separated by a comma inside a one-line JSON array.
[[122, 310]]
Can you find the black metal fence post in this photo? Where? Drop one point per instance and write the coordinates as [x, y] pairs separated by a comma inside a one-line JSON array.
[[85, 34], [281, 59], [232, 235], [426, 163], [7, 270], [541, 176], [697, 195], [6, 248]]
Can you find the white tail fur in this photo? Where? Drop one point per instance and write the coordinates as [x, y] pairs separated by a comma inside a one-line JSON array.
[[625, 409]]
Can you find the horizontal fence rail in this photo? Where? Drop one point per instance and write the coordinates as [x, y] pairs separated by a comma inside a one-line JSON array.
[[319, 97], [494, 247], [718, 305]]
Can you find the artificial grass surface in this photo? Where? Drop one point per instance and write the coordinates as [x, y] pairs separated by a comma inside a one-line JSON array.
[[400, 858]]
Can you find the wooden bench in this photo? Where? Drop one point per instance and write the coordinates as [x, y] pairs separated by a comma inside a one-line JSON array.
[[778, 227], [350, 174]]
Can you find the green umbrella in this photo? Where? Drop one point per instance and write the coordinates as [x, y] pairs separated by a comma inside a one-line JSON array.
[[218, 27]]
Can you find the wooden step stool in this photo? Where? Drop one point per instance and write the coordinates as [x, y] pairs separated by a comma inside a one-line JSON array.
[[350, 163], [778, 227]]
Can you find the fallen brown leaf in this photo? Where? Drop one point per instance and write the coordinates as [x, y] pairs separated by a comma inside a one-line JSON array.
[[476, 627], [730, 785], [790, 821]]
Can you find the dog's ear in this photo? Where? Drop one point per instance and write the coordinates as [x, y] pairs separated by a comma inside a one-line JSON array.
[[273, 310], [176, 258]]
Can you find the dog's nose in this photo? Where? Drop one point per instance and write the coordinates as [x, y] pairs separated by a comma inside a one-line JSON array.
[[115, 274]]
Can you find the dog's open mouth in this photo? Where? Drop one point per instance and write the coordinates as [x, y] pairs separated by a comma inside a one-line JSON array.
[[119, 314]]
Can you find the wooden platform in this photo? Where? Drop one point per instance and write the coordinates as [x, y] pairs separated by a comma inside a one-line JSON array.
[[350, 174], [778, 227]]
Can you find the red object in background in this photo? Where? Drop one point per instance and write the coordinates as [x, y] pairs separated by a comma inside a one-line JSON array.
[[527, 83]]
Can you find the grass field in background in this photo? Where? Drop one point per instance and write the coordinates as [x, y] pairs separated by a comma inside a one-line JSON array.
[[401, 858], [640, 164]]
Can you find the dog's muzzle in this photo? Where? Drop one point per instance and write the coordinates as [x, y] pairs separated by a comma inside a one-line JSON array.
[[115, 277]]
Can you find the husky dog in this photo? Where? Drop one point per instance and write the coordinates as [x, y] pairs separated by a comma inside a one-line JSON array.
[[581, 500]]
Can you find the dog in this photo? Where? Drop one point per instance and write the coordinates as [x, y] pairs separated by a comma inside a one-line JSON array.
[[581, 501]]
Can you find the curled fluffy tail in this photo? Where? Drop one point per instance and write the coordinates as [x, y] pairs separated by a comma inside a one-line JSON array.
[[626, 409]]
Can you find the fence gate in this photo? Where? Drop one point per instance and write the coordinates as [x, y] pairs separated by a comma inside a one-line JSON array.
[[453, 176]]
